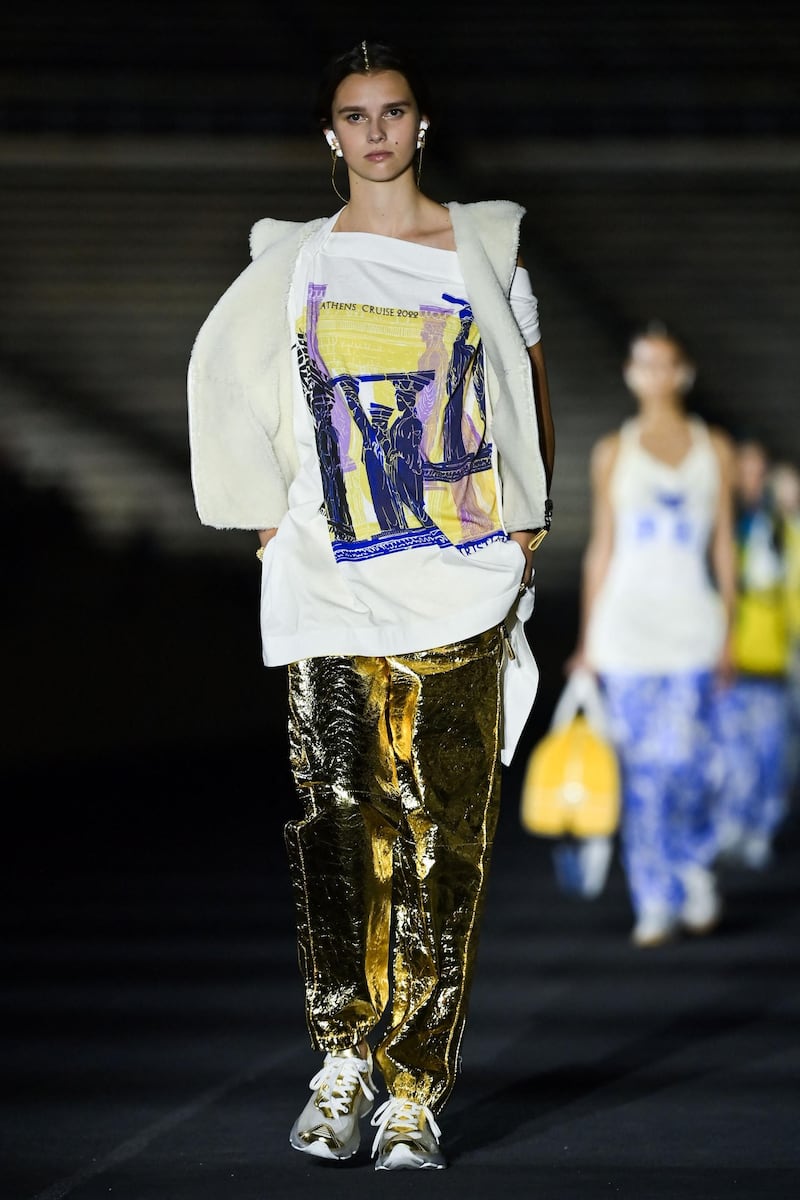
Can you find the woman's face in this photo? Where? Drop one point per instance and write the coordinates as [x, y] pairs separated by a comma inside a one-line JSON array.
[[751, 472], [786, 489], [656, 371], [376, 122]]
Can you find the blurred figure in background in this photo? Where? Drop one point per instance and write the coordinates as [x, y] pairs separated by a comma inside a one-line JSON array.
[[658, 583], [784, 483], [752, 713]]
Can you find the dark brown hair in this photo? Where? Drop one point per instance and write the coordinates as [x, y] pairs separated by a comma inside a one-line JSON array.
[[380, 58], [661, 331]]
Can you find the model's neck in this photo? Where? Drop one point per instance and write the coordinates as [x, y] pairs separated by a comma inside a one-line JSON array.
[[394, 210], [661, 413]]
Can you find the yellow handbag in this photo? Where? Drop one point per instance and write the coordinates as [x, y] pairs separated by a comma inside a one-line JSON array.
[[571, 786]]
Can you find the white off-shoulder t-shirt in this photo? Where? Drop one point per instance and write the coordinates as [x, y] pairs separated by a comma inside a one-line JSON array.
[[394, 538]]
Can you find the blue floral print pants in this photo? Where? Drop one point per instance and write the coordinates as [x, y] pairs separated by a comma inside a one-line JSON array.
[[751, 729], [661, 728]]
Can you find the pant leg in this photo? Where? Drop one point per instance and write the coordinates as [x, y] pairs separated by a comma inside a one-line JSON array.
[[773, 737], [660, 727], [691, 834], [340, 852], [752, 731], [445, 722]]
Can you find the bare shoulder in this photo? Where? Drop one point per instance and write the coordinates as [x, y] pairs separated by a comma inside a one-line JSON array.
[[722, 443], [604, 455], [435, 226]]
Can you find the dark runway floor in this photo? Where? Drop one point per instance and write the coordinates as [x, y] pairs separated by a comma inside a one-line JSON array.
[[153, 1044]]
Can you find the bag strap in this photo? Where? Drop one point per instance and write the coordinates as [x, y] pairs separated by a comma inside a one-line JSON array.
[[581, 693]]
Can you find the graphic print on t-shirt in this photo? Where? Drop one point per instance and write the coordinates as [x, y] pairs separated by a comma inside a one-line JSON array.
[[402, 452]]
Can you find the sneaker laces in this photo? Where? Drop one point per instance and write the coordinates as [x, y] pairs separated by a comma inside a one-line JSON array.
[[402, 1117], [338, 1080]]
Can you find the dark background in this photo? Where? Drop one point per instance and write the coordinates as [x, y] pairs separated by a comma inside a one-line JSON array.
[[656, 149]]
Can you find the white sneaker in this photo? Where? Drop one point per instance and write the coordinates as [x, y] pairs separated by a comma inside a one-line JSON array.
[[654, 927], [343, 1093], [702, 908], [407, 1137]]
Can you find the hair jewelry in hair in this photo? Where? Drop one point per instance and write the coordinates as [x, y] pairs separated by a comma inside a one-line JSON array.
[[366, 56]]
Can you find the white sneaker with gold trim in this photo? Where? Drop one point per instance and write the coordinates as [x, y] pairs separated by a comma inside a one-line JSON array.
[[407, 1137], [343, 1094]]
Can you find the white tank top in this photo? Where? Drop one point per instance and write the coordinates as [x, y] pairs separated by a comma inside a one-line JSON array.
[[658, 611]]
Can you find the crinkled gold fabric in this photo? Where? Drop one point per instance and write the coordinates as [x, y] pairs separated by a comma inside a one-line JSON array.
[[396, 761]]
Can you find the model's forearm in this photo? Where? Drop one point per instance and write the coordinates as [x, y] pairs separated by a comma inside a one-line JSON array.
[[595, 567], [723, 566], [544, 412]]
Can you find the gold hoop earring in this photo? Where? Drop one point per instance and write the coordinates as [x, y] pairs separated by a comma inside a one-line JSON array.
[[334, 157]]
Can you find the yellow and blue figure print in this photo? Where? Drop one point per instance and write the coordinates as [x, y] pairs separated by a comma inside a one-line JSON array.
[[403, 452]]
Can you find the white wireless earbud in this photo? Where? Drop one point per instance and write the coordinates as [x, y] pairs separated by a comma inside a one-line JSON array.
[[330, 138]]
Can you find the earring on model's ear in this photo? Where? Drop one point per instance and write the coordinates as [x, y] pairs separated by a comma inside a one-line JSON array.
[[423, 126], [330, 138], [336, 153]]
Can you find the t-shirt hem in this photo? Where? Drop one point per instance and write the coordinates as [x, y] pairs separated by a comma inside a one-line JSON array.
[[403, 638]]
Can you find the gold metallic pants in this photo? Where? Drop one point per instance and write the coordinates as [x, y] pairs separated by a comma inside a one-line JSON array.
[[396, 761]]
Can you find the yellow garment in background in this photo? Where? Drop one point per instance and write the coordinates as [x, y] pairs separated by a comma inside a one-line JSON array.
[[792, 580], [760, 642], [760, 635]]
